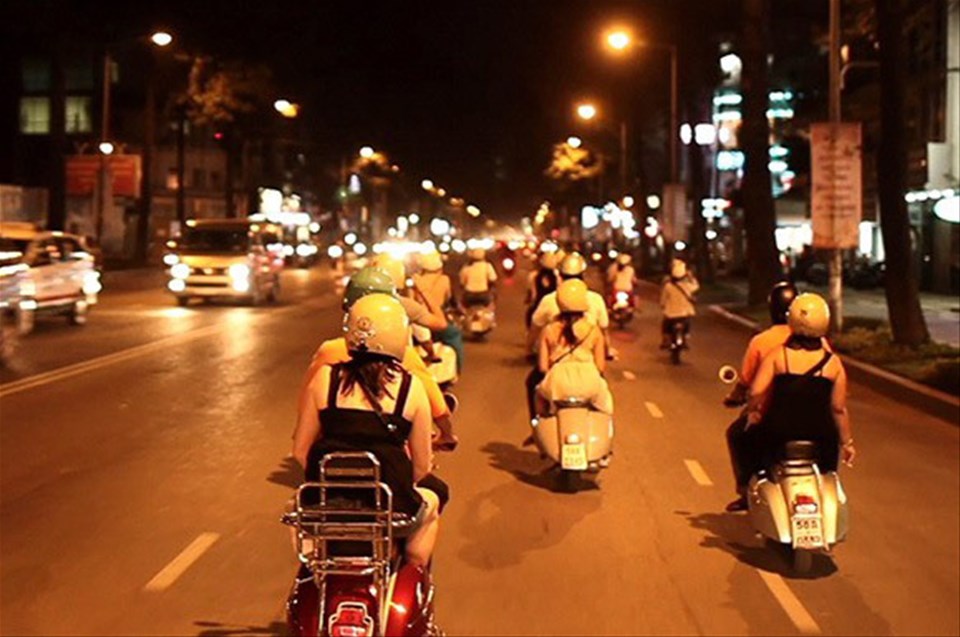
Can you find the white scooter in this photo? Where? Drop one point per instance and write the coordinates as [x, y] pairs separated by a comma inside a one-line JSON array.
[[440, 358], [793, 503], [577, 438], [477, 321]]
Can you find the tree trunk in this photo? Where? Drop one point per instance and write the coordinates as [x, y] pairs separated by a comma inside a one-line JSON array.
[[763, 266], [902, 283]]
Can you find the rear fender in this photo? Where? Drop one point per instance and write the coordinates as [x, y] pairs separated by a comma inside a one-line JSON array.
[[411, 605], [833, 504], [768, 510]]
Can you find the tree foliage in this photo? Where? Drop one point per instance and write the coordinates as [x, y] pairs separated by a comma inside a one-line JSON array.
[[570, 165], [219, 93]]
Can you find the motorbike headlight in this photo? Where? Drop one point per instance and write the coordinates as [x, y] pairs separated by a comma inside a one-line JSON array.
[[28, 288], [180, 271], [508, 263], [239, 271], [171, 259]]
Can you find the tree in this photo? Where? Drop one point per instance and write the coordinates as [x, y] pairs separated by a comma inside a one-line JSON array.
[[902, 283], [763, 265], [571, 164]]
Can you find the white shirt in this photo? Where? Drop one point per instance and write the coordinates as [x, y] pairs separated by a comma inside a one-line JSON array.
[[622, 280], [476, 277], [549, 309]]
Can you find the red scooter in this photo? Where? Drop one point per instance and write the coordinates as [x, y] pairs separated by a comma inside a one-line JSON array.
[[353, 581]]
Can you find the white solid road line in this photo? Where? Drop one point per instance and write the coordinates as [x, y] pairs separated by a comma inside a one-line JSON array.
[[654, 410], [699, 475], [169, 573], [802, 619]]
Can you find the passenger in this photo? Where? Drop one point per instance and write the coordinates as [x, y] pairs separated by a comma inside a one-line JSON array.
[[477, 279], [371, 403], [432, 287]]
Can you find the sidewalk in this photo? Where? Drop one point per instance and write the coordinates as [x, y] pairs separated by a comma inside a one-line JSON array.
[[941, 311]]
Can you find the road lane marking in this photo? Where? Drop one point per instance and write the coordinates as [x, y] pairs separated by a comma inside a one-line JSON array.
[[628, 375], [699, 475], [172, 571], [795, 610], [654, 410], [69, 371]]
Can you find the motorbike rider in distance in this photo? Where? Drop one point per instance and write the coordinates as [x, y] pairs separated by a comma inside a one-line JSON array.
[[477, 279], [370, 403], [621, 276], [542, 282], [375, 281], [571, 354], [800, 392], [677, 300], [432, 287]]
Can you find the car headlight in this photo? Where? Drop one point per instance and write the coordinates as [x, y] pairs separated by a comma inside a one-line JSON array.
[[28, 288], [177, 285], [180, 271], [91, 283], [239, 271], [171, 259]]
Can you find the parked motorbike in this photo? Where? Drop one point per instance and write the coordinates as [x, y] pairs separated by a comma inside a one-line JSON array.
[[353, 581], [575, 437], [621, 307], [794, 504]]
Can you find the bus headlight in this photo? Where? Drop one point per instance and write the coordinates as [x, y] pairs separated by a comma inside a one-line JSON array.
[[239, 272], [171, 259], [180, 271], [177, 285]]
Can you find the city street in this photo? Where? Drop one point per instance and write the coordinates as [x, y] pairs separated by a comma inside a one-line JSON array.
[[144, 462]]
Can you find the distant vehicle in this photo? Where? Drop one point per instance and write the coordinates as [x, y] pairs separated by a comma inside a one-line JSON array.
[[297, 230], [227, 258], [46, 272]]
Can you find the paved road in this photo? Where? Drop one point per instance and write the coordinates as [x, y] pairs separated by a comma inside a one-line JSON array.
[[166, 432]]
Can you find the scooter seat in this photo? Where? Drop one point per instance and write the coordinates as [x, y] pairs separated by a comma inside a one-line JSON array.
[[571, 403], [800, 450]]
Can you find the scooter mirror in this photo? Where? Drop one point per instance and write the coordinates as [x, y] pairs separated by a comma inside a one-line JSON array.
[[452, 402], [728, 374]]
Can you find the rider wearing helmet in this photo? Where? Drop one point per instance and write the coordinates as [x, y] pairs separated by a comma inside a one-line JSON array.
[[370, 403], [571, 353], [477, 279], [430, 318], [542, 282], [677, 300], [621, 276], [800, 391], [375, 281], [432, 287]]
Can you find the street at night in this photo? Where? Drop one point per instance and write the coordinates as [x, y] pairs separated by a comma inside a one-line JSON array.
[[415, 319]]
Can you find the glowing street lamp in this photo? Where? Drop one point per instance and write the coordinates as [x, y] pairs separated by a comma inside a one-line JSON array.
[[366, 152], [161, 38], [574, 142], [286, 108], [618, 40], [426, 184], [106, 148], [586, 111]]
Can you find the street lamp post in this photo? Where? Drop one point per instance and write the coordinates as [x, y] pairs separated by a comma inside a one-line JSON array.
[[588, 112], [836, 256]]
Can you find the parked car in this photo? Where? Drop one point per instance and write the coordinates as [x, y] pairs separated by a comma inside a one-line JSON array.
[[49, 273], [225, 258]]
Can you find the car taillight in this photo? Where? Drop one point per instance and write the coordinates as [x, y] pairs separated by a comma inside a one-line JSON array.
[[350, 620], [805, 504]]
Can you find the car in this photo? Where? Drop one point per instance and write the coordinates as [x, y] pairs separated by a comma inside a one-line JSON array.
[[54, 275], [225, 258]]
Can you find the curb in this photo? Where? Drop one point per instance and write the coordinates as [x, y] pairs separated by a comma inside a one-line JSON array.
[[927, 399]]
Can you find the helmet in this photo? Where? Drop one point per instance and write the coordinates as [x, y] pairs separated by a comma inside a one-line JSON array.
[[678, 269], [394, 267], [378, 324], [476, 254], [430, 261], [548, 260], [624, 259], [572, 296], [781, 296], [573, 265], [367, 281], [809, 316]]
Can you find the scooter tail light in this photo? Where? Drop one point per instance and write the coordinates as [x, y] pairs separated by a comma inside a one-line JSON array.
[[623, 297], [805, 504], [351, 619]]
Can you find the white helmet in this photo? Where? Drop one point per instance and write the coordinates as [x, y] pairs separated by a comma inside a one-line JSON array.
[[378, 324], [394, 267], [678, 269], [476, 254], [430, 261], [572, 296], [809, 315], [573, 265], [624, 259]]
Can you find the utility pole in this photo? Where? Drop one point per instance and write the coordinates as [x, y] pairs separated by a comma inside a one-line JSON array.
[[104, 137], [146, 195], [623, 159], [835, 116], [674, 124], [181, 165]]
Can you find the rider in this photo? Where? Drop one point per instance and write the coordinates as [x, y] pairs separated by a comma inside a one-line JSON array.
[[676, 300], [375, 281], [542, 282], [621, 277], [431, 318], [477, 279], [800, 392], [775, 336], [571, 356], [432, 287], [370, 403]]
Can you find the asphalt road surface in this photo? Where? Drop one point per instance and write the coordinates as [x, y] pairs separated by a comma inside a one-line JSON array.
[[144, 465]]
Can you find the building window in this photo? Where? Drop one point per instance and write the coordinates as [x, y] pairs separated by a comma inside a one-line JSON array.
[[172, 181], [199, 179], [79, 77], [78, 115], [36, 76], [216, 182], [35, 115]]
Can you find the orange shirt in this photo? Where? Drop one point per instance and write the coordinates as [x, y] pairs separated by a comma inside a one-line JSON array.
[[335, 351], [762, 344]]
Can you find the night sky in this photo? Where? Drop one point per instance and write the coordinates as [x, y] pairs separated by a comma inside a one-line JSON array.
[[454, 91]]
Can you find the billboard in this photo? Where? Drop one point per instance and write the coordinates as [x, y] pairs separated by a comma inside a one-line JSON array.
[[123, 170], [837, 185]]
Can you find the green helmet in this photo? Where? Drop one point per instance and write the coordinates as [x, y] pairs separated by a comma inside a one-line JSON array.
[[367, 281]]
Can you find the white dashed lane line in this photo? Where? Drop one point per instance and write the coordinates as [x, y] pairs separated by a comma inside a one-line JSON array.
[[795, 610], [628, 375], [654, 410], [699, 475], [178, 566]]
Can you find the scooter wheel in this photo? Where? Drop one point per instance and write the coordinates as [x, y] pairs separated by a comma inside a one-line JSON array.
[[802, 561], [569, 481]]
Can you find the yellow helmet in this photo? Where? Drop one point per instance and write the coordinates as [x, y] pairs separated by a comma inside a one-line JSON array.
[[476, 254], [573, 265], [809, 315], [394, 267], [430, 261], [548, 260], [378, 324], [572, 296], [624, 259]]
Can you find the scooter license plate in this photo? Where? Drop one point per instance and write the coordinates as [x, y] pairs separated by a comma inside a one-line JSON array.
[[574, 457], [807, 532]]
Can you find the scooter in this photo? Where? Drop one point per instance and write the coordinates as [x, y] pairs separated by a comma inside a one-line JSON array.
[[621, 307], [793, 503], [577, 438], [678, 339], [353, 581], [440, 358], [478, 320]]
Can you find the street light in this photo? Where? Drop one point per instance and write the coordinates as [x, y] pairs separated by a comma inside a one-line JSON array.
[[161, 38], [286, 108], [426, 184], [574, 142], [366, 152], [586, 111], [618, 39]]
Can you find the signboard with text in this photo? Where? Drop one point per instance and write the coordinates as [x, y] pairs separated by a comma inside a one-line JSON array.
[[83, 171], [837, 185]]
